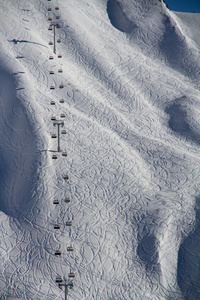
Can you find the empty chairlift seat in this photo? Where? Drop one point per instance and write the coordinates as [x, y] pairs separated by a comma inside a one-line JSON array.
[[49, 19], [68, 223], [70, 249], [64, 154], [52, 87], [57, 252], [51, 72], [59, 55], [50, 57], [62, 101], [55, 201], [54, 156], [71, 275], [63, 131], [56, 226], [53, 102], [50, 28], [54, 136], [53, 118], [67, 200], [62, 115], [50, 43], [58, 279]]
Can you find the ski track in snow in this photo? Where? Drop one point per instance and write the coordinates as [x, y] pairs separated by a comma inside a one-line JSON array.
[[131, 103]]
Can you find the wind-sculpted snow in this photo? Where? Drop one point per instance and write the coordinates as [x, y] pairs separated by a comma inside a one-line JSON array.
[[130, 108]]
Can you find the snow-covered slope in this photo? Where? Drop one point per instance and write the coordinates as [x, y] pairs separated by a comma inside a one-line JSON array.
[[126, 84]]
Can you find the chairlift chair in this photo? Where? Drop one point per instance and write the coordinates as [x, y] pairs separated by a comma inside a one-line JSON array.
[[50, 28], [58, 279], [61, 86], [67, 200], [53, 102], [62, 115], [68, 223], [50, 57], [49, 8], [56, 226], [62, 101], [66, 177], [49, 19], [50, 43], [57, 252], [56, 8], [57, 17], [51, 72], [64, 153], [53, 118], [52, 87], [60, 71], [59, 55], [56, 201], [63, 131], [58, 41], [70, 249], [71, 275], [54, 156], [54, 136]]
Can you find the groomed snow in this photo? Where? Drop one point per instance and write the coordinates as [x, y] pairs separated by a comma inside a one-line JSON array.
[[130, 85]]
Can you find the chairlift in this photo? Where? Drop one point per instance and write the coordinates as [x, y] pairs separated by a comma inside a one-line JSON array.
[[62, 101], [66, 177], [51, 43], [67, 200], [56, 201], [50, 57], [68, 223], [50, 28], [64, 153], [62, 115], [54, 136], [70, 248], [57, 252], [63, 131], [57, 17], [59, 56], [49, 19], [60, 71], [54, 156], [53, 118], [52, 87], [53, 102], [57, 26], [71, 275], [58, 279], [61, 86], [56, 226], [49, 8], [51, 72], [56, 8], [58, 41]]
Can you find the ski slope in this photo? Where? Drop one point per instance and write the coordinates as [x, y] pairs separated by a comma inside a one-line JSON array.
[[127, 87]]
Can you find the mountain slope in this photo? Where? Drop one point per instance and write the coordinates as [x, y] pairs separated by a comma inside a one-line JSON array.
[[130, 85]]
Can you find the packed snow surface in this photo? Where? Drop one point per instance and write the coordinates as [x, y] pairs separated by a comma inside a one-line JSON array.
[[125, 81]]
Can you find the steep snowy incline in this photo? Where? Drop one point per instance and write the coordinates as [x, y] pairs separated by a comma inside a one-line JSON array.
[[125, 82]]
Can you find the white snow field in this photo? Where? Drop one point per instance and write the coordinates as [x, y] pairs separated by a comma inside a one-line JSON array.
[[125, 80]]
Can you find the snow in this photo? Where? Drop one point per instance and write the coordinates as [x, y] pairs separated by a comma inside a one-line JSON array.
[[131, 103]]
